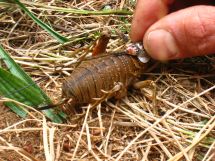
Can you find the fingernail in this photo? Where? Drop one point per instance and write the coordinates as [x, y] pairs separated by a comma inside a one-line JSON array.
[[161, 45]]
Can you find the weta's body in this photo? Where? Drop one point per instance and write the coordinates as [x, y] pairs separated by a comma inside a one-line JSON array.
[[91, 77]]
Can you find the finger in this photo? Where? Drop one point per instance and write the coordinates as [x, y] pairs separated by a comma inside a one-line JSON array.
[[185, 33], [146, 13]]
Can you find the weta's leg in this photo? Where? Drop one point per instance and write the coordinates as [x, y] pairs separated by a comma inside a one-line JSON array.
[[143, 84], [122, 92], [101, 44], [118, 91], [53, 105], [150, 84], [98, 47]]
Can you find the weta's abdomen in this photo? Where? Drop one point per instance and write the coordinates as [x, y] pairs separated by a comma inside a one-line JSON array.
[[91, 76]]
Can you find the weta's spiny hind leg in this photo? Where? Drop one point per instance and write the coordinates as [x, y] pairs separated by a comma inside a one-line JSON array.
[[143, 84], [150, 84], [122, 92], [118, 91], [101, 43]]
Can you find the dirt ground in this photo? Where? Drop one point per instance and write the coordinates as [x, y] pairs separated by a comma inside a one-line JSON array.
[[178, 125]]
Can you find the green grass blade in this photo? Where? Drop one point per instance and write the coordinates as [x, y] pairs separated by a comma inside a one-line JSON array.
[[15, 88], [16, 70], [26, 87], [15, 108], [3, 91], [47, 28], [13, 67]]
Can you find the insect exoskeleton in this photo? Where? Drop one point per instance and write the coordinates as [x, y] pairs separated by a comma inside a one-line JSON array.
[[91, 77]]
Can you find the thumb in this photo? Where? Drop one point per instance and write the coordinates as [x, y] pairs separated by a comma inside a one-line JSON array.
[[185, 33]]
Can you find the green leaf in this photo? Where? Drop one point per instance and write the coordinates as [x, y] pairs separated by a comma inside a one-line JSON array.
[[13, 67], [17, 85], [15, 108], [15, 88], [55, 34], [16, 70]]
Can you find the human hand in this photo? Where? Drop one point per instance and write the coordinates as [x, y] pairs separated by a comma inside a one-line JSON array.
[[186, 32]]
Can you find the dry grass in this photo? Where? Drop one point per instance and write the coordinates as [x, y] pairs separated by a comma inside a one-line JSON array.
[[180, 126]]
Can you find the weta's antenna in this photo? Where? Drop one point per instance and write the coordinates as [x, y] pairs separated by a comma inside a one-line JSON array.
[[53, 105]]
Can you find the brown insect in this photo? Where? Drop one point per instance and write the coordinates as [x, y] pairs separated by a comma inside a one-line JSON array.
[[91, 77], [89, 81]]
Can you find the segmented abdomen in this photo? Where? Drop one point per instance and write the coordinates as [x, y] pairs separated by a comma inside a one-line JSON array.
[[91, 76]]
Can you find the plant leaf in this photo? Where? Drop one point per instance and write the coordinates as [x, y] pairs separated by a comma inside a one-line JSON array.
[[17, 85], [16, 70], [15, 88]]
